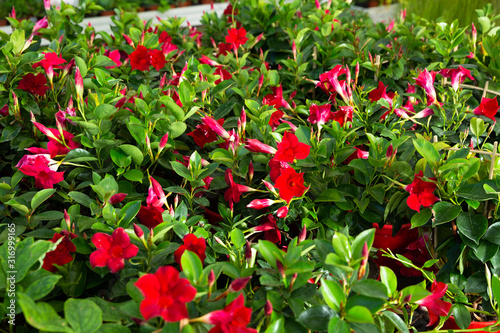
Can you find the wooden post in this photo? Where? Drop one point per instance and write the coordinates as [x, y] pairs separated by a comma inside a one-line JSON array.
[[377, 67], [492, 167], [485, 90]]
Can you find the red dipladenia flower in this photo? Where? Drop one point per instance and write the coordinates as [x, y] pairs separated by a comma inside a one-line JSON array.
[[112, 250], [421, 193], [115, 56], [57, 145], [255, 146], [233, 319], [139, 59], [457, 75], [193, 244], [150, 215], [50, 59], [277, 168], [319, 114], [434, 305], [343, 115], [487, 108], [291, 184], [270, 229], [274, 120], [380, 93], [203, 134], [290, 149], [329, 82], [62, 254], [42, 168], [233, 193], [34, 84], [224, 74], [276, 98], [236, 37], [165, 295], [157, 59], [260, 203], [426, 80]]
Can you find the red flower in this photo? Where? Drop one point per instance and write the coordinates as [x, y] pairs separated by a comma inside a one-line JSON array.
[[203, 134], [329, 82], [165, 295], [157, 59], [224, 74], [42, 168], [290, 149], [434, 305], [233, 193], [112, 250], [426, 80], [34, 84], [236, 37], [277, 168], [487, 108], [224, 48], [270, 229], [274, 121], [4, 111], [149, 216], [58, 145], [61, 255], [233, 319], [319, 113], [421, 193], [115, 56], [193, 244], [457, 75], [139, 59], [343, 115], [164, 38], [380, 93], [276, 98], [291, 184], [50, 59]]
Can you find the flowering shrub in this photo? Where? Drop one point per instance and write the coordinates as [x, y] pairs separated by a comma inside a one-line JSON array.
[[228, 178]]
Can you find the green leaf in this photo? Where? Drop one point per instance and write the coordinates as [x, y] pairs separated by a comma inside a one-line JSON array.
[[330, 195], [82, 66], [177, 129], [485, 23], [389, 279], [366, 236], [28, 252], [134, 152], [270, 252], [40, 197], [341, 245], [17, 38], [495, 287], [338, 325], [39, 283], [333, 294], [103, 111], [421, 218], [397, 321], [175, 109], [79, 155], [81, 198], [181, 170], [276, 327], [316, 318], [128, 212], [359, 314], [192, 266], [238, 238], [477, 126], [493, 234], [83, 315], [427, 150], [462, 316], [134, 175], [444, 211], [372, 288], [473, 226], [41, 315]]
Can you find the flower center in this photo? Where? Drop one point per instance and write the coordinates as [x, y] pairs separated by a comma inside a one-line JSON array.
[[165, 301], [116, 251]]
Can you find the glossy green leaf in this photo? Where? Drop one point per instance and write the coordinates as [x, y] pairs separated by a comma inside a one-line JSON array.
[[473, 226], [316, 318], [427, 150], [372, 288], [397, 321], [41, 196], [330, 195], [103, 111], [444, 211], [41, 315], [270, 252], [83, 315], [421, 218], [389, 279], [359, 314], [333, 294], [128, 212], [493, 233], [192, 266], [338, 325], [181, 170], [462, 316]]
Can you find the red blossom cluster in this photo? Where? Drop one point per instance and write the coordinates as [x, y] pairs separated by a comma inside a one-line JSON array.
[[143, 57]]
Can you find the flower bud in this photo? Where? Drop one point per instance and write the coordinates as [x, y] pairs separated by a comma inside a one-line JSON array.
[[243, 118], [258, 38], [390, 151], [260, 203], [163, 141], [238, 284], [362, 269], [268, 308], [248, 251], [46, 4], [281, 269], [318, 5], [13, 13], [270, 187], [129, 40], [78, 84], [282, 212], [294, 277], [250, 172], [474, 34], [216, 127], [255, 146], [294, 50], [211, 278], [67, 219], [117, 198], [138, 231], [303, 234], [356, 73]]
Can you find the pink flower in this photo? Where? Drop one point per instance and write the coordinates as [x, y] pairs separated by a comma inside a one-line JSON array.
[[260, 203], [112, 250], [42, 168], [330, 83], [434, 305], [40, 24], [216, 127], [115, 56], [270, 229], [426, 81], [457, 75], [380, 93], [58, 145], [255, 146], [236, 37], [117, 198], [276, 98], [319, 114], [390, 27]]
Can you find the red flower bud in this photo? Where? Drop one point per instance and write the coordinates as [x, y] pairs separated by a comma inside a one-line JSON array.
[[282, 212], [303, 234], [163, 141], [260, 203], [268, 309], [138, 231], [117, 198], [238, 284], [128, 40], [67, 219], [211, 278], [281, 269], [248, 251]]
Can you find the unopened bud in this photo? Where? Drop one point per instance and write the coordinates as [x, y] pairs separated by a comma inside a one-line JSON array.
[[356, 73], [138, 231], [238, 284], [129, 40], [294, 50], [268, 309], [281, 269], [294, 277], [248, 251], [176, 200], [67, 219], [390, 151], [117, 198], [250, 172], [362, 269], [163, 141], [282, 212], [211, 278], [303, 234]]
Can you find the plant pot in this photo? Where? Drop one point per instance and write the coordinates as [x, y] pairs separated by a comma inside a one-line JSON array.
[[373, 3], [153, 7], [206, 2], [450, 324], [184, 4], [3, 22], [107, 13], [385, 240]]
